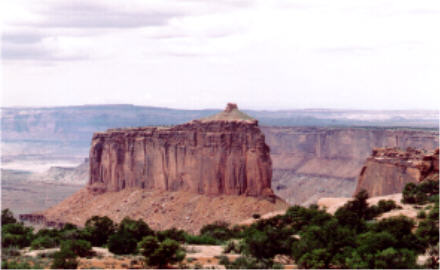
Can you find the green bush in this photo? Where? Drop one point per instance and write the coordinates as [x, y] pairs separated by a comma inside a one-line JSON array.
[[427, 190], [64, 259], [246, 262], [160, 254], [201, 240], [122, 243], [217, 230], [80, 248], [16, 234], [173, 233], [10, 252], [136, 228], [42, 242], [98, 229], [233, 247], [8, 217], [15, 265], [421, 214]]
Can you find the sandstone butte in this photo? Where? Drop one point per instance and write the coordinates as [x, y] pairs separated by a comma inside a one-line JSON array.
[[185, 176], [388, 170]]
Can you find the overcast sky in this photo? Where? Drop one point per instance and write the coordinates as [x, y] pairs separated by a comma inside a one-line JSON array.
[[201, 54]]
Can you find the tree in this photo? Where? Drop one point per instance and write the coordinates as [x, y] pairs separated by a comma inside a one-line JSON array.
[[267, 242], [64, 259], [98, 229], [218, 230], [137, 228], [7, 217], [324, 246], [16, 234], [173, 233], [44, 242], [81, 248], [122, 243], [160, 254], [355, 212]]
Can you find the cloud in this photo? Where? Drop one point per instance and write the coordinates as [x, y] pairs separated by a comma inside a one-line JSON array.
[[21, 37], [37, 52], [87, 15], [350, 50]]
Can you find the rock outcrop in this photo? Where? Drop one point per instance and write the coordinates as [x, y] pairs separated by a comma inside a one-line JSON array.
[[388, 170], [314, 162], [222, 154], [186, 176]]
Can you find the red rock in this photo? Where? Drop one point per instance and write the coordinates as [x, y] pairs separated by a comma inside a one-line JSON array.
[[388, 170], [222, 154]]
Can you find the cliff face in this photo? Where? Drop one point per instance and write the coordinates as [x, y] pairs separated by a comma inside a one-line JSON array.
[[388, 170], [314, 162], [223, 154]]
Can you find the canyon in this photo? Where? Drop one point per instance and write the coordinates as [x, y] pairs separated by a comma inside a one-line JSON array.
[[314, 162], [320, 155]]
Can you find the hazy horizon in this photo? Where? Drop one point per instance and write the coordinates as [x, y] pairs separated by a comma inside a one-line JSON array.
[[221, 108], [186, 54]]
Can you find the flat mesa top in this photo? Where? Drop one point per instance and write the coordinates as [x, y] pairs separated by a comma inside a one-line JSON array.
[[231, 113]]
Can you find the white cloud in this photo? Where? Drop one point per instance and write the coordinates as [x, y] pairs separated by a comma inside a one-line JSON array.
[[198, 54]]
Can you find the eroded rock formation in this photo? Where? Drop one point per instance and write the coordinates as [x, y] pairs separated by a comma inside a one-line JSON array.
[[222, 154], [314, 162], [184, 176], [388, 170]]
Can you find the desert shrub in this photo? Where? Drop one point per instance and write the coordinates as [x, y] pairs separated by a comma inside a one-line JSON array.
[[256, 216], [8, 217], [233, 247], [173, 233], [247, 262], [324, 246], [428, 229], [427, 190], [64, 259], [354, 213], [383, 259], [218, 230], [433, 198], [98, 229], [16, 234], [15, 265], [268, 242], [383, 206], [298, 217], [421, 214], [401, 229], [122, 243], [201, 240], [137, 228], [160, 254], [44, 242], [10, 252], [80, 248]]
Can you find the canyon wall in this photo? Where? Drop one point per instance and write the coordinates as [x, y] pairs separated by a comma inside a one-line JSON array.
[[314, 162], [388, 170], [223, 154]]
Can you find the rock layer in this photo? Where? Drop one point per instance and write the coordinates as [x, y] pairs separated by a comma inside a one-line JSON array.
[[223, 154], [314, 162], [388, 170]]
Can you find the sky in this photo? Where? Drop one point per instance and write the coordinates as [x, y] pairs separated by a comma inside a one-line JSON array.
[[194, 54]]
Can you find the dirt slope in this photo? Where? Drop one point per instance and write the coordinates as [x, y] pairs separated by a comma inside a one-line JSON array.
[[161, 209]]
